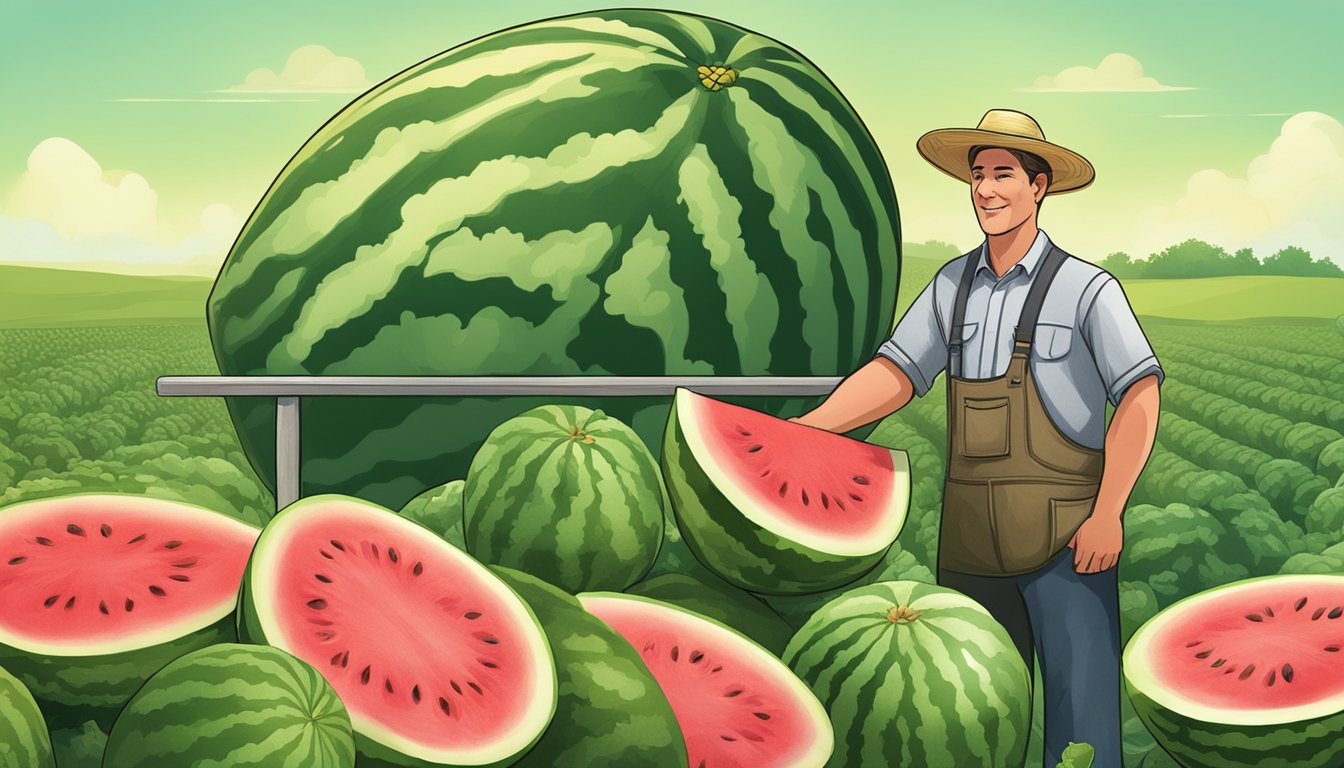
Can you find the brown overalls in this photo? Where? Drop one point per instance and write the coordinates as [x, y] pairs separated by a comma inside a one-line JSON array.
[[1016, 488]]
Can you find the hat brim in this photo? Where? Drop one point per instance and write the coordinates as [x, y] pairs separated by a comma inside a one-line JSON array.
[[946, 149]]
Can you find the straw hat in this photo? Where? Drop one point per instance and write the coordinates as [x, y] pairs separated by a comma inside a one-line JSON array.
[[946, 148]]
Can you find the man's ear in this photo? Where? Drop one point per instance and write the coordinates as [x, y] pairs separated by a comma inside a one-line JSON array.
[[1038, 187]]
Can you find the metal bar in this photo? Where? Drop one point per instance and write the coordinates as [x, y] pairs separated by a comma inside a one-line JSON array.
[[577, 386], [286, 451]]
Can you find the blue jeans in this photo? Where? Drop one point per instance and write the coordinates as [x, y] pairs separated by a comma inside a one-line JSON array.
[[1072, 621]]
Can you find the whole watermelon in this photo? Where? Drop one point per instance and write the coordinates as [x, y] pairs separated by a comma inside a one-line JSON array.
[[628, 192]]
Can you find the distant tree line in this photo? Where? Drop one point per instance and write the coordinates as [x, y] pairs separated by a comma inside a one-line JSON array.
[[1196, 258]]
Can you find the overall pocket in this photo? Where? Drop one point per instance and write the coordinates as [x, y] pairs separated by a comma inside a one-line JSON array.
[[984, 427], [1066, 517], [965, 533]]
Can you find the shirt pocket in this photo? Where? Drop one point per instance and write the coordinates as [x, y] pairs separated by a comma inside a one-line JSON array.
[[1052, 341]]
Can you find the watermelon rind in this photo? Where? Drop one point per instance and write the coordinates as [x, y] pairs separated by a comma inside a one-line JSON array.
[[24, 739], [611, 712], [1201, 736], [77, 680], [440, 510], [739, 541], [944, 689], [706, 594], [749, 653], [565, 197], [233, 705], [259, 622], [567, 494]]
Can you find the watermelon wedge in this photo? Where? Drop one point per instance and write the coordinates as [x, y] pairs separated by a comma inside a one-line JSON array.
[[437, 660], [736, 703], [777, 507], [1247, 674], [98, 591]]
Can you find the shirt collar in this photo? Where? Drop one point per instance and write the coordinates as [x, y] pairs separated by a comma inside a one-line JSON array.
[[1027, 263]]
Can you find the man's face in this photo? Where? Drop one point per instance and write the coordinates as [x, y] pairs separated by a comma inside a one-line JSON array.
[[1002, 194]]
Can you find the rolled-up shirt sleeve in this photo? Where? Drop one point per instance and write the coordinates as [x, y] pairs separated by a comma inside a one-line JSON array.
[[918, 346], [1119, 347]]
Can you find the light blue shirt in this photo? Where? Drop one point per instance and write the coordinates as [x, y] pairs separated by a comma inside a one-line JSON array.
[[1088, 344]]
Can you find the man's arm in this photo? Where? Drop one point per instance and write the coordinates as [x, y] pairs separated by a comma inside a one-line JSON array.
[[875, 391]]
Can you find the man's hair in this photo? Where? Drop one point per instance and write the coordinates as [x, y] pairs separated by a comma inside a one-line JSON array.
[[1032, 164]]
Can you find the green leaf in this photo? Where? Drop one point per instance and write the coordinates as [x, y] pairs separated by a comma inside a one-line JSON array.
[[1077, 756]]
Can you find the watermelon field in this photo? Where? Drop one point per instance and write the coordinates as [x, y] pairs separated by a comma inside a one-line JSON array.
[[1246, 478]]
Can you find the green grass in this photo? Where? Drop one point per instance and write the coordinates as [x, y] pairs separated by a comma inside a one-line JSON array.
[[36, 297], [1218, 299]]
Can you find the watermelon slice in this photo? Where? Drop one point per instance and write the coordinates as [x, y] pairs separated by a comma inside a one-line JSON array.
[[98, 591], [437, 660], [777, 507], [736, 703], [1245, 672]]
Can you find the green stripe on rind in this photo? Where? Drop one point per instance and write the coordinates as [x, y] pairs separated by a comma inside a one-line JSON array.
[[73, 689], [735, 548], [947, 689], [24, 740], [580, 515], [611, 712], [233, 705]]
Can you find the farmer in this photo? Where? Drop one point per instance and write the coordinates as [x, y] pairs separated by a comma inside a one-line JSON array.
[[1034, 341]]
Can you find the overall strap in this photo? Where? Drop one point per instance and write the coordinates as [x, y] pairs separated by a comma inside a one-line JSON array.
[[955, 334], [1031, 310]]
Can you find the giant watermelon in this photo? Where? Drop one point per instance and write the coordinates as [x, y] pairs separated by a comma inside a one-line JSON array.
[[625, 192]]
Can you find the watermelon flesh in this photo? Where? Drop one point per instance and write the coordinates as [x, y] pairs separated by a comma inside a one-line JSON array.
[[435, 658], [736, 703], [1244, 671]]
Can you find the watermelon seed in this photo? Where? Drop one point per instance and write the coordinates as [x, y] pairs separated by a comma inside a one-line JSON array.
[[74, 530], [1300, 603], [443, 704], [1193, 643], [766, 472], [1335, 614], [491, 639], [317, 604], [674, 653], [345, 660], [1269, 612], [70, 603], [726, 737], [1245, 673], [475, 687], [1287, 673], [755, 448], [392, 554], [50, 601], [473, 615], [156, 590], [1230, 669], [804, 497], [130, 605], [387, 683], [702, 764], [172, 544], [716, 669], [1218, 663], [185, 563], [415, 694], [326, 554], [453, 683], [1332, 649], [44, 541], [1317, 614], [320, 622], [761, 715], [855, 497], [1254, 617], [696, 656], [418, 569], [18, 560], [487, 663], [141, 537], [1204, 654], [860, 479], [374, 549], [752, 736], [825, 502], [324, 634], [321, 578], [338, 545], [839, 503], [732, 693], [336, 659], [106, 530], [648, 646], [179, 577], [1270, 680], [783, 489], [364, 676], [743, 432]]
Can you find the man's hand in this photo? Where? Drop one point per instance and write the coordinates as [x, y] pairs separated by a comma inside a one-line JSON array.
[[1097, 543]]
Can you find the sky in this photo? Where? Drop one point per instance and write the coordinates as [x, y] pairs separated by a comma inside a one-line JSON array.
[[140, 134]]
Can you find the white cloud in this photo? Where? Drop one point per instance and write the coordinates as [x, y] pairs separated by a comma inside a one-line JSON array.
[[1116, 72], [67, 210], [310, 69], [1290, 195]]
